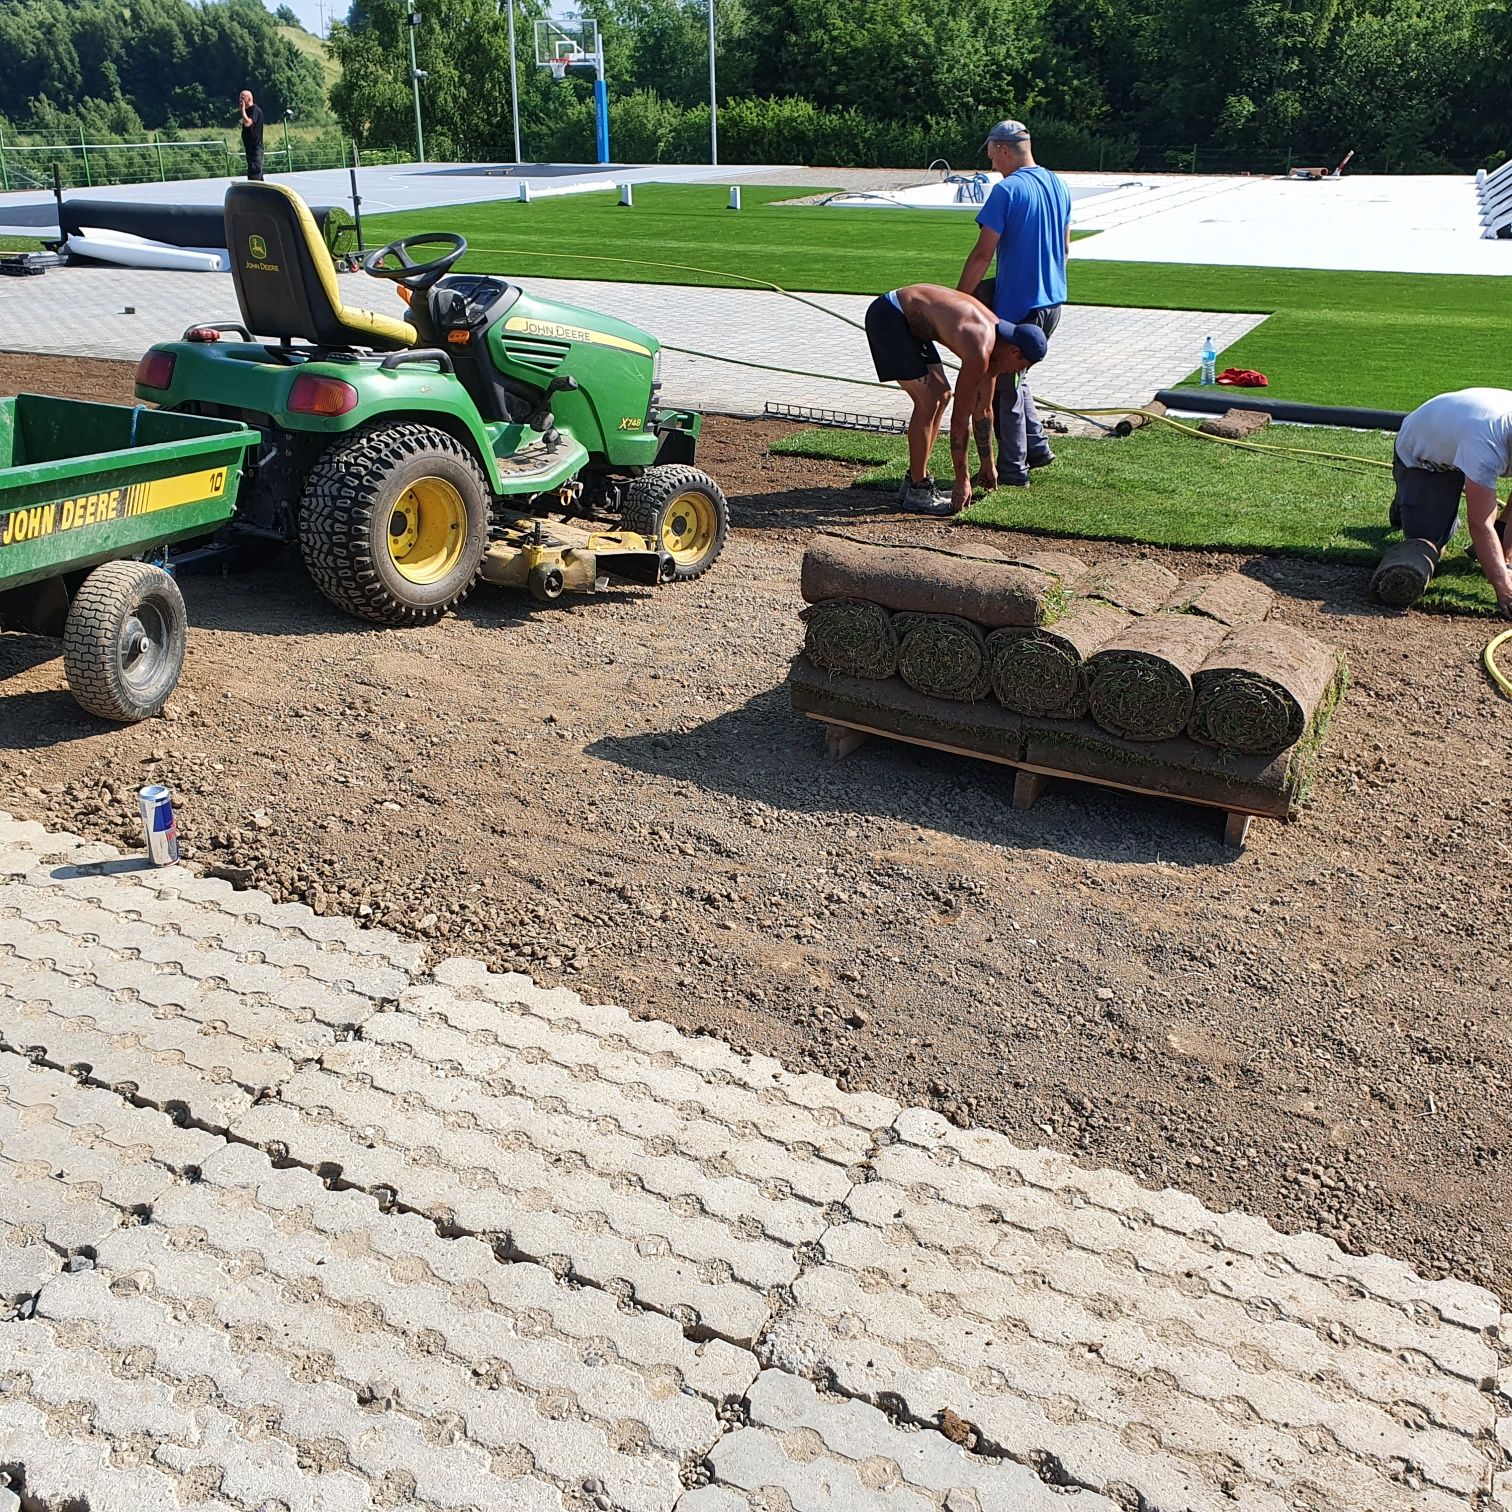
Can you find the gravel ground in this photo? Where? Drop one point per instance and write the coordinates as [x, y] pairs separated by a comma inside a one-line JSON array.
[[614, 794]]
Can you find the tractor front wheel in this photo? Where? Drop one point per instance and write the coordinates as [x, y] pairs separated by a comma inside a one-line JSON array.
[[682, 511], [123, 641], [394, 523]]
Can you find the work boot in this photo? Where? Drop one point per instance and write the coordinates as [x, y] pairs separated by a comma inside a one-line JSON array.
[[1039, 459], [922, 498]]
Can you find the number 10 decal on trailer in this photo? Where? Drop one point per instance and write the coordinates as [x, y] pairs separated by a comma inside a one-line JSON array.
[[34, 521]]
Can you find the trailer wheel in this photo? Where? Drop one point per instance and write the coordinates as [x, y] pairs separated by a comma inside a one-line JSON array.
[[394, 523], [681, 511], [123, 642]]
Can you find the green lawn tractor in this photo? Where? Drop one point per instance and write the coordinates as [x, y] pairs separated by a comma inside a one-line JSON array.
[[492, 434]]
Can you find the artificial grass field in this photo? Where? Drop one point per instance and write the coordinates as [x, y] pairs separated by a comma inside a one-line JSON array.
[[1162, 488], [1379, 340]]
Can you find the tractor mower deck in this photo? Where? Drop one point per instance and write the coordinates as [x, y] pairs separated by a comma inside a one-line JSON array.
[[553, 557]]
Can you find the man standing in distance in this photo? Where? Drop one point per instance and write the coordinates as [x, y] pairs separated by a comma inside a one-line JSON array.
[[252, 134], [1026, 223]]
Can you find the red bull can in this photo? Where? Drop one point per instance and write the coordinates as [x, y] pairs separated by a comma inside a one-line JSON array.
[[158, 821]]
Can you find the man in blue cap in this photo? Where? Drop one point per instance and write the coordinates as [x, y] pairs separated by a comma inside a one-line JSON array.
[[902, 329], [1026, 224]]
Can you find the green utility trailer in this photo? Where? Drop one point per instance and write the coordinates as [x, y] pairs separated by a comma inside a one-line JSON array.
[[89, 493]]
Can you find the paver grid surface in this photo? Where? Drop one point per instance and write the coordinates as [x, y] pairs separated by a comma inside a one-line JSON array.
[[289, 1221], [1101, 356]]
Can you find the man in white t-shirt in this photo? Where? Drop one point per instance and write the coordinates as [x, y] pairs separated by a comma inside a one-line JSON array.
[[1458, 443]]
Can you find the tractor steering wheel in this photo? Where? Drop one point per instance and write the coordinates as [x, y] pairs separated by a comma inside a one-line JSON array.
[[416, 276]]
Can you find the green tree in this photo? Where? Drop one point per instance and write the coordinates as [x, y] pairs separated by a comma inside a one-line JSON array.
[[166, 60]]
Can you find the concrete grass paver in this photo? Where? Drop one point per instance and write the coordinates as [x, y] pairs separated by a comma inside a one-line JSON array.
[[289, 1220], [814, 1453], [1101, 356]]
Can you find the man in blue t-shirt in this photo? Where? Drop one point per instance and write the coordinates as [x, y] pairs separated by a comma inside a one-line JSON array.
[[1026, 224]]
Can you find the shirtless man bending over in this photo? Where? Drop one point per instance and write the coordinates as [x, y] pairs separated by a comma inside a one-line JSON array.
[[906, 329]]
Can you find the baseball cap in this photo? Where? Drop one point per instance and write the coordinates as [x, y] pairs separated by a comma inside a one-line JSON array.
[[1029, 339], [1008, 131]]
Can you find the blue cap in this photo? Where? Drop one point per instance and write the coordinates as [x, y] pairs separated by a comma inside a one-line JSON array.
[[1009, 132], [1029, 339]]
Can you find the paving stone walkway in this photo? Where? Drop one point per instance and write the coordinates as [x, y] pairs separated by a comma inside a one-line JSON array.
[[1101, 356], [290, 1220]]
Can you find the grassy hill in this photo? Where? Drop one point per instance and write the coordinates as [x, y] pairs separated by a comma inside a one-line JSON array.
[[315, 48]]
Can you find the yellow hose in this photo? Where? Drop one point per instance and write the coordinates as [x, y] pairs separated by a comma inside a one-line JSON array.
[[1503, 683], [1488, 660], [1063, 409]]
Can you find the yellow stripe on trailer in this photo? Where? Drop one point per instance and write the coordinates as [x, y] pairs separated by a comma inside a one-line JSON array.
[[170, 493]]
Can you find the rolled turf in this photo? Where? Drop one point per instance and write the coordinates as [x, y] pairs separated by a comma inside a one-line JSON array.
[[977, 584], [1042, 672], [1404, 573], [944, 656], [1139, 685], [1263, 689], [1228, 597], [851, 637], [1134, 583], [1059, 564]]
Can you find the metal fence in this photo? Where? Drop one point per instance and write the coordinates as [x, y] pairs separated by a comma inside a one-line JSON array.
[[91, 165]]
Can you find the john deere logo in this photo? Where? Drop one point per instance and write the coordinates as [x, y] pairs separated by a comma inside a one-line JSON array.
[[258, 248]]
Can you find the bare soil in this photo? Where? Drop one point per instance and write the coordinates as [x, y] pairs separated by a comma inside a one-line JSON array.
[[615, 795]]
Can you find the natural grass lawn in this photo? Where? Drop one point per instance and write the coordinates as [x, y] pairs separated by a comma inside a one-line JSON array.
[[1162, 488], [1379, 340], [1334, 338], [20, 244]]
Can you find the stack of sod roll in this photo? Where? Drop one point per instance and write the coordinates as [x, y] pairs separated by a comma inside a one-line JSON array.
[[1122, 672]]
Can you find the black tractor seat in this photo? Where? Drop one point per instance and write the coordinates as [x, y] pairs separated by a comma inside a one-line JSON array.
[[285, 282]]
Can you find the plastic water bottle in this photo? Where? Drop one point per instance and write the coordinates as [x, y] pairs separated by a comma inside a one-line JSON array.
[[1209, 362]]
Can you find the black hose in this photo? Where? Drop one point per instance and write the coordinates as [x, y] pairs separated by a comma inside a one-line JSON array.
[[1282, 409]]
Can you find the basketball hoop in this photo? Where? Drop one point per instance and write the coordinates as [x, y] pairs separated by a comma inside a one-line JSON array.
[[563, 45]]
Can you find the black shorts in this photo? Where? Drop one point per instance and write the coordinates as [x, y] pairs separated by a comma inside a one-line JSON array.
[[1426, 506], [897, 353]]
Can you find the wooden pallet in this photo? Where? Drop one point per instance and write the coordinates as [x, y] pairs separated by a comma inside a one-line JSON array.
[[841, 737]]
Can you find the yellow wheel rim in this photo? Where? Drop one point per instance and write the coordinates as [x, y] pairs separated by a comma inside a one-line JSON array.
[[689, 526], [427, 528]]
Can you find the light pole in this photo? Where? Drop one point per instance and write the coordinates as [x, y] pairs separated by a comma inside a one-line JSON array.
[[713, 96], [288, 156], [514, 85], [416, 74]]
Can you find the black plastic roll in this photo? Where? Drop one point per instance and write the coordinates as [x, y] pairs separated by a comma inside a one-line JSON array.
[[1204, 403], [175, 225]]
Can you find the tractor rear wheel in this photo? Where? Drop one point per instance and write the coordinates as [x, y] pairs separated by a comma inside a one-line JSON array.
[[123, 641], [682, 511], [394, 523]]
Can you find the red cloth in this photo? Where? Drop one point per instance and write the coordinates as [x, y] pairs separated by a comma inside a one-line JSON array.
[[1243, 378]]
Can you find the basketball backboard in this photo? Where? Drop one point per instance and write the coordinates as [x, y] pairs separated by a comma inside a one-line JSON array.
[[566, 42]]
